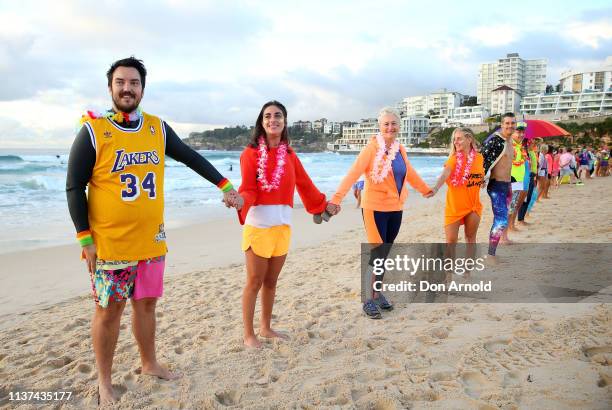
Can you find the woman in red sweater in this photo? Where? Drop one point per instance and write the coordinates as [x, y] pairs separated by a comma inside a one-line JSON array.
[[271, 171]]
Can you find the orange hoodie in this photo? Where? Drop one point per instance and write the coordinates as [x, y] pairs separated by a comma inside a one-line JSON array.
[[383, 196]]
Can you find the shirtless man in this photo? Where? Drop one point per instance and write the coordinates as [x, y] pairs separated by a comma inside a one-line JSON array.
[[498, 152]]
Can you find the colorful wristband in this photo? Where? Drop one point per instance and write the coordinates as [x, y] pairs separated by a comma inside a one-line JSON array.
[[85, 238], [225, 185]]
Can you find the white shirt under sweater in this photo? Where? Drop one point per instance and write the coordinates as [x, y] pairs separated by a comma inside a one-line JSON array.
[[267, 216]]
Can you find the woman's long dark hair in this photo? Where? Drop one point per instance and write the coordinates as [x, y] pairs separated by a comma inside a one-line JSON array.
[[259, 129]]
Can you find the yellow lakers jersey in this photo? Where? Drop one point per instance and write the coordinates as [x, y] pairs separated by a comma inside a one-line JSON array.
[[126, 189]]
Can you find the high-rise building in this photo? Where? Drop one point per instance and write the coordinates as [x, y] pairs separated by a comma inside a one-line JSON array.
[[440, 103], [524, 76]]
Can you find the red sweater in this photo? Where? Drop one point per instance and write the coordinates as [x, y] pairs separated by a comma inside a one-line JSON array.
[[294, 176]]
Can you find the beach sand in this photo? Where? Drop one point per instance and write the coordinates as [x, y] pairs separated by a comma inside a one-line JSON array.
[[435, 356]]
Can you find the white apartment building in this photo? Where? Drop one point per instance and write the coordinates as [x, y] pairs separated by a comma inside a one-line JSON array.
[[305, 126], [441, 102], [356, 137], [411, 106], [586, 101], [596, 79], [319, 125], [474, 115], [412, 131], [524, 76], [505, 99], [332, 128]]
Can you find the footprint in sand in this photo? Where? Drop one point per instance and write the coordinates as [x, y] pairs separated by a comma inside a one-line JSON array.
[[228, 397], [605, 379], [475, 383], [494, 345], [84, 368], [601, 354], [59, 362], [512, 379], [540, 342]]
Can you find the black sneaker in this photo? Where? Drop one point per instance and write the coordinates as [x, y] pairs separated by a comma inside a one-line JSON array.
[[383, 303], [371, 309]]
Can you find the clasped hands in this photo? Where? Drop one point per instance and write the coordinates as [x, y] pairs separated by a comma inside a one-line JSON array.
[[232, 198], [330, 210]]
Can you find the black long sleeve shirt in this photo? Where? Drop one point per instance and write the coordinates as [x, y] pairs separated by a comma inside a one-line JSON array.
[[82, 160]]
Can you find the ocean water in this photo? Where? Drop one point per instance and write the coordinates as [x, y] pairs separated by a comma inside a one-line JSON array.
[[34, 213]]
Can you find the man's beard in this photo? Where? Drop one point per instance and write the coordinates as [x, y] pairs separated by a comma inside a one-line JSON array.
[[126, 107]]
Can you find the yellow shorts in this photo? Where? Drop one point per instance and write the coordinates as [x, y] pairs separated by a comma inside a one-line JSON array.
[[267, 242]]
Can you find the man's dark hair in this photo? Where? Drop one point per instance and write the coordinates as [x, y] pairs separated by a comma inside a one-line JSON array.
[[128, 62], [507, 115]]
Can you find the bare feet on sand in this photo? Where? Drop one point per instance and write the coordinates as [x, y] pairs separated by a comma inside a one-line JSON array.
[[523, 223], [160, 371], [271, 333], [105, 395], [252, 341]]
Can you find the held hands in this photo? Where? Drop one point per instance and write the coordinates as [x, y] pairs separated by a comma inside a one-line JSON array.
[[91, 257], [232, 198], [330, 210], [431, 193]]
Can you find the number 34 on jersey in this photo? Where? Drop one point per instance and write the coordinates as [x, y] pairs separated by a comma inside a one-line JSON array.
[[132, 185]]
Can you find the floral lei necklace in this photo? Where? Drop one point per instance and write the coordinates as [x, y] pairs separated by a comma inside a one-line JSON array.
[[118, 117], [381, 167], [456, 180], [523, 154], [262, 163]]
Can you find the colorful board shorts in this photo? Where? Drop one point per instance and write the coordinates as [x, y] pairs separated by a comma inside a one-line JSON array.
[[267, 242], [121, 280]]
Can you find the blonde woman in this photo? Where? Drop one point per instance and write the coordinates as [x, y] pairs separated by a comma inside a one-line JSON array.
[[464, 175]]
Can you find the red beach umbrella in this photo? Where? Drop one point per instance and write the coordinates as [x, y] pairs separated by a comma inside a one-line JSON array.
[[543, 129]]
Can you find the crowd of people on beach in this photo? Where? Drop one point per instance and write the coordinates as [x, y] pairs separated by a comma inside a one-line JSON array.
[[115, 196]]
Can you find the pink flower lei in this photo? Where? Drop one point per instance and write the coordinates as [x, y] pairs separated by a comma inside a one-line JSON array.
[[381, 167], [262, 163], [456, 180]]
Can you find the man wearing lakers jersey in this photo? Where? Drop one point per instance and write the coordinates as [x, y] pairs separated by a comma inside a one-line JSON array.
[[120, 155]]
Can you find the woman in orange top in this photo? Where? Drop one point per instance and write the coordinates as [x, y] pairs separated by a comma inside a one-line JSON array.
[[271, 172], [464, 175], [386, 169]]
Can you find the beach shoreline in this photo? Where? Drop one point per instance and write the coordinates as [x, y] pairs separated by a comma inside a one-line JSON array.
[[486, 355]]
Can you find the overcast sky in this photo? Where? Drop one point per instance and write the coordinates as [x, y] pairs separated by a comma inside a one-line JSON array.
[[214, 63]]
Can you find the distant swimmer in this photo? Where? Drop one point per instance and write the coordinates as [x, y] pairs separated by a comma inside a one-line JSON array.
[[230, 167]]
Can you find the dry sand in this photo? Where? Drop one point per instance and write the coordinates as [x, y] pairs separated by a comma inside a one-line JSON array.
[[461, 356]]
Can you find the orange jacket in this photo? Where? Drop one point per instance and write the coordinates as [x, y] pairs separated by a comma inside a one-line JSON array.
[[383, 196]]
